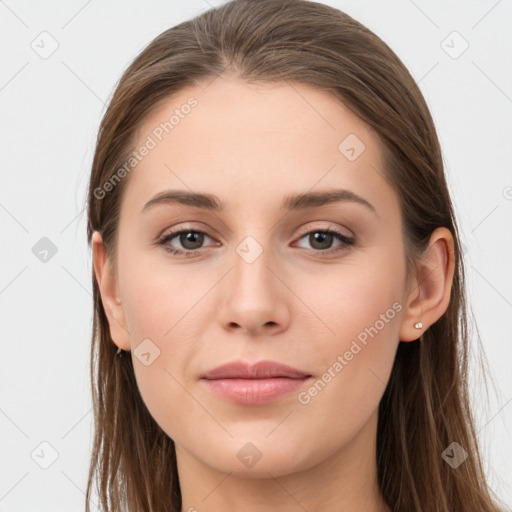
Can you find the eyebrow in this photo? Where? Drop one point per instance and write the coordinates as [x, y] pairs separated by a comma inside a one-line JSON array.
[[300, 201]]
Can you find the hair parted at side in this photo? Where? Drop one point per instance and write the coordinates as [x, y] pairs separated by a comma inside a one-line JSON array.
[[426, 405]]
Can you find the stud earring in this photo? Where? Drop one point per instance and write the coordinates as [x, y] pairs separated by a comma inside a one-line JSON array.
[[419, 325]]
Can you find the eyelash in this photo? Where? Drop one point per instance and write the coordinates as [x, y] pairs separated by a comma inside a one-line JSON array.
[[346, 241]]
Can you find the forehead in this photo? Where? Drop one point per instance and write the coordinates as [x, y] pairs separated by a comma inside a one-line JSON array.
[[241, 141]]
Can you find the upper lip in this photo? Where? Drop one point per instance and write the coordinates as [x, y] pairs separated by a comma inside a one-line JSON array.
[[260, 370]]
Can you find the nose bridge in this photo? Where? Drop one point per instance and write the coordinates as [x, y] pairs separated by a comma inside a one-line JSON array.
[[251, 261], [251, 296]]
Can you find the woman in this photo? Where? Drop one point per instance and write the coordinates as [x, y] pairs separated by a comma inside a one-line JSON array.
[[280, 316]]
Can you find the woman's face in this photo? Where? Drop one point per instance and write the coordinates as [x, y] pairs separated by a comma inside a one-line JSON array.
[[265, 282]]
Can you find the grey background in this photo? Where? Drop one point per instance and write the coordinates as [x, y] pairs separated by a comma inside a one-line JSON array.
[[50, 112]]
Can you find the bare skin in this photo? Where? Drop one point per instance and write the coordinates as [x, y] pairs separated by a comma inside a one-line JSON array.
[[296, 303]]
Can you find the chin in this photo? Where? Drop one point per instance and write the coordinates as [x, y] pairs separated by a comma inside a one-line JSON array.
[[260, 458]]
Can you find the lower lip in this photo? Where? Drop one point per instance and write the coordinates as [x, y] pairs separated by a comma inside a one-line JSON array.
[[254, 391]]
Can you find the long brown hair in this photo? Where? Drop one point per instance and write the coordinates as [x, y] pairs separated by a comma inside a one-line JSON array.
[[425, 406]]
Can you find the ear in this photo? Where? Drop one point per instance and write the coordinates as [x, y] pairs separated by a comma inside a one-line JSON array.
[[429, 290], [107, 284]]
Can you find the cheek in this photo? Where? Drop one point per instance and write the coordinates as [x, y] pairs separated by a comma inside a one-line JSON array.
[[160, 309], [159, 300], [163, 305], [163, 391], [347, 300], [353, 366], [359, 312]]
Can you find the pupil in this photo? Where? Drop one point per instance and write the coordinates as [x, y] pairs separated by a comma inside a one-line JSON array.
[[322, 238], [191, 237]]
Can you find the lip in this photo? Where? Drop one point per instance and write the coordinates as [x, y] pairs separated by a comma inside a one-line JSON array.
[[260, 370], [260, 383]]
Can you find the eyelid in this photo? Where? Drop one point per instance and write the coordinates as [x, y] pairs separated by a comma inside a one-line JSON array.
[[174, 232], [324, 227], [190, 226], [346, 241], [302, 231]]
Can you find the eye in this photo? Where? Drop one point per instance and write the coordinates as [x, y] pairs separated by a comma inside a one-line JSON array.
[[190, 239], [321, 240]]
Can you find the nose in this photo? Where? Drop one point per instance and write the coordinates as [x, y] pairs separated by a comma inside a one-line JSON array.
[[254, 298]]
